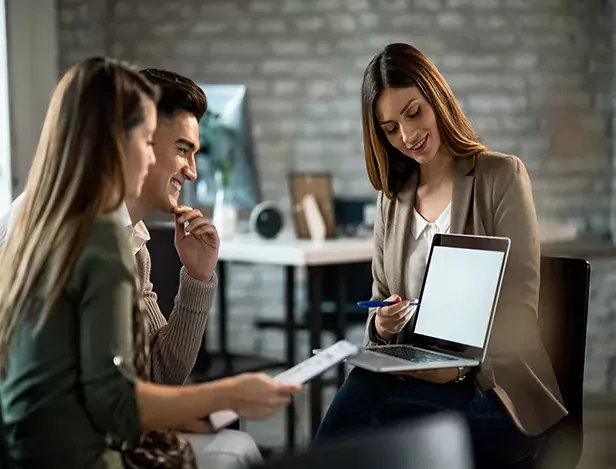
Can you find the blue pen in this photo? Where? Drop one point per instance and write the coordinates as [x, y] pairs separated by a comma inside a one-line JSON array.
[[376, 304]]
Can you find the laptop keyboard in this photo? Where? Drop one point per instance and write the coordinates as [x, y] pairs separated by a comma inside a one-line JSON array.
[[412, 354]]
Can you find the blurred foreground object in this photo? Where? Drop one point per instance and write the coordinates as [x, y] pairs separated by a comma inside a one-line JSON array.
[[432, 443]]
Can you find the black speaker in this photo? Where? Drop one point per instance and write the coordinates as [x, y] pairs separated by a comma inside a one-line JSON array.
[[267, 220]]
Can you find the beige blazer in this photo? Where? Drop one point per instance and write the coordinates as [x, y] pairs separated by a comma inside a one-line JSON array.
[[491, 196]]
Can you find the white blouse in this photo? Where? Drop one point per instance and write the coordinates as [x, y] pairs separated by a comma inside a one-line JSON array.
[[423, 232]]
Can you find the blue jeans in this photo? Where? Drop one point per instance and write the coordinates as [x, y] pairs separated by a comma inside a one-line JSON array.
[[369, 400]]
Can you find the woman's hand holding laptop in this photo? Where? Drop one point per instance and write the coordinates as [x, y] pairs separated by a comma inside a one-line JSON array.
[[390, 320]]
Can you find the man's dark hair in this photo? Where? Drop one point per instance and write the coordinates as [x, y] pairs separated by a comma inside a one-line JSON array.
[[177, 93]]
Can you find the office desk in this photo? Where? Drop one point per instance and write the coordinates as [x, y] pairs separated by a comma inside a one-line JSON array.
[[290, 253]]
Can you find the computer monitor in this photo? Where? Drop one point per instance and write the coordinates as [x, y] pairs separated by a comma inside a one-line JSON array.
[[225, 135]]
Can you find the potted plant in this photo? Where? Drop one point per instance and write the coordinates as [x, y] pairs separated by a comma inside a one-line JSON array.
[[219, 145]]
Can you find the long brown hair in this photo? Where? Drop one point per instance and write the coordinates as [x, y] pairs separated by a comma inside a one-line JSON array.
[[400, 66], [77, 175]]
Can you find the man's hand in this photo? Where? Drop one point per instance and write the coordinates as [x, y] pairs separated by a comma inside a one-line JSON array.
[[439, 375], [198, 250]]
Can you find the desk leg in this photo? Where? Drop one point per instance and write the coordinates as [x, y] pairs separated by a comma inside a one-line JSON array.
[[315, 298], [222, 313], [222, 324], [341, 312], [290, 345]]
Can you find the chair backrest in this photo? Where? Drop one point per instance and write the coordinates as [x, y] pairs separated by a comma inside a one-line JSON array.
[[563, 312], [436, 442], [165, 267]]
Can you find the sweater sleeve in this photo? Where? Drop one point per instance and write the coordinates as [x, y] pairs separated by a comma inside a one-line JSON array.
[[175, 344]]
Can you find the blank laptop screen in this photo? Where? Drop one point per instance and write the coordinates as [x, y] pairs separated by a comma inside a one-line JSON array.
[[458, 295]]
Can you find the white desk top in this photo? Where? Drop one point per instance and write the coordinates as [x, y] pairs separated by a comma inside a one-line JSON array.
[[287, 250]]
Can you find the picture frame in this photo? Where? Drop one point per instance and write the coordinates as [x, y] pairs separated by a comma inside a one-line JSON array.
[[320, 186]]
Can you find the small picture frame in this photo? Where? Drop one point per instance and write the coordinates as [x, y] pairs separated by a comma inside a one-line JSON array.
[[320, 186]]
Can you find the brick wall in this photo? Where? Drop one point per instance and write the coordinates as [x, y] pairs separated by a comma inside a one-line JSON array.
[[534, 76]]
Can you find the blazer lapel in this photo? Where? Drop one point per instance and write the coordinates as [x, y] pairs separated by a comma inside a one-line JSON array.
[[404, 219], [463, 182]]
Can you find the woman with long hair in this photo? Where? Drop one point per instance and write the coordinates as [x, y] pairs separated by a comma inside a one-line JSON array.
[[73, 342], [433, 175]]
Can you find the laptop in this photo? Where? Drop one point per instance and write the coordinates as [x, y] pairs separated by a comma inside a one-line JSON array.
[[458, 300]]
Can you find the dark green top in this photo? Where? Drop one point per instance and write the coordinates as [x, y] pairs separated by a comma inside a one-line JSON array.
[[62, 392]]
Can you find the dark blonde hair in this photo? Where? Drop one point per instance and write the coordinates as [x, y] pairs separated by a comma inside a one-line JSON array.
[[401, 66], [77, 175]]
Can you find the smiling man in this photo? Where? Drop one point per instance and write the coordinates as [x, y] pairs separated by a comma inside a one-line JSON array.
[[174, 345]]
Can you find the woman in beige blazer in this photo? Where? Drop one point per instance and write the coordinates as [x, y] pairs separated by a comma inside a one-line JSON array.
[[433, 175]]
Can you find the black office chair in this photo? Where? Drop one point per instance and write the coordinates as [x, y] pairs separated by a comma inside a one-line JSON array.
[[431, 443], [563, 311], [166, 265]]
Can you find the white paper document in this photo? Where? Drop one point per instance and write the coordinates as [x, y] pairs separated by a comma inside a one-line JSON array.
[[298, 374]]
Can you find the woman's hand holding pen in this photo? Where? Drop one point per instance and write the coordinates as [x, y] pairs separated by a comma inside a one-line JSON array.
[[390, 320]]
